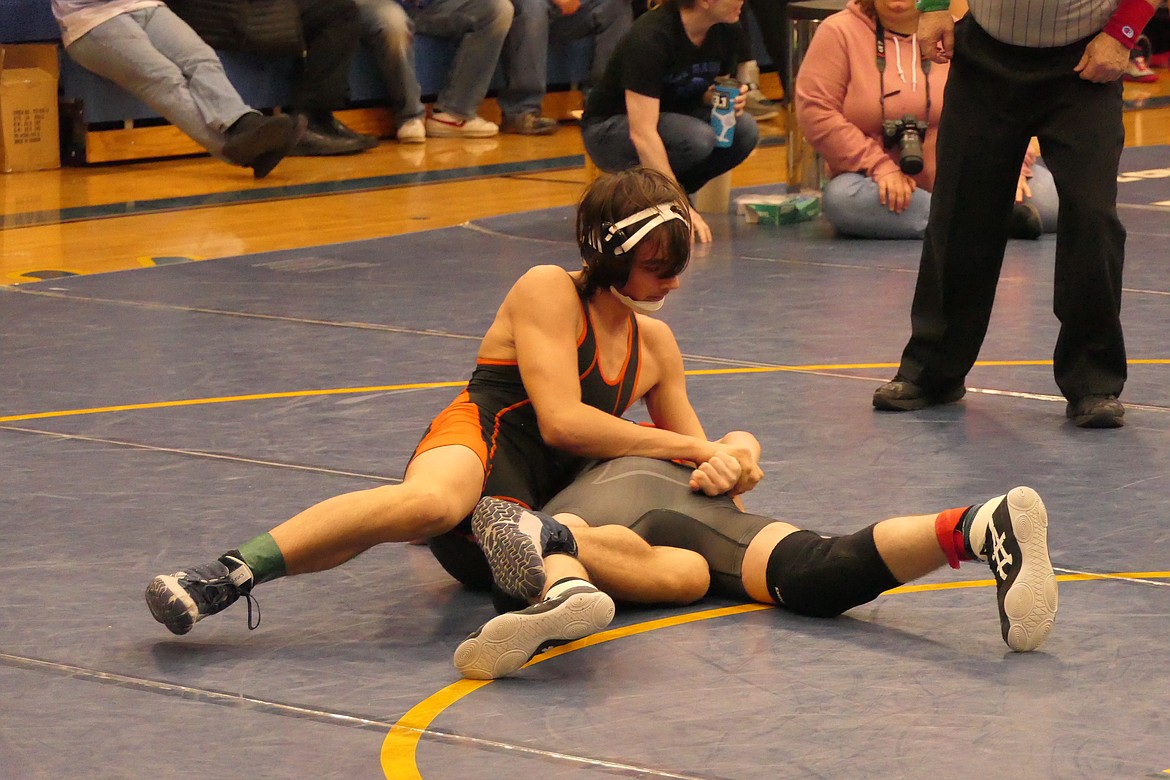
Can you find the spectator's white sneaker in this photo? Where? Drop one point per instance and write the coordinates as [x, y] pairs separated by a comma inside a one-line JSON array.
[[413, 131], [440, 124]]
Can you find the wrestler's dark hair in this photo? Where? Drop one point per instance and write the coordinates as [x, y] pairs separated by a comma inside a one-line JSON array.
[[612, 198]]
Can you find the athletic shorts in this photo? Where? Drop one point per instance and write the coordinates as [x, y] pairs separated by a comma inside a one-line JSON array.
[[518, 466]]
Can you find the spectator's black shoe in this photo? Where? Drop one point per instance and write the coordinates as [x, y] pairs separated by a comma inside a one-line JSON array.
[[317, 144], [1096, 411], [901, 395], [182, 599], [335, 127], [1025, 222], [1016, 549], [506, 642], [259, 142], [264, 163]]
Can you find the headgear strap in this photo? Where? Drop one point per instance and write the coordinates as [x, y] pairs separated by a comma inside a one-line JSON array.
[[652, 217]]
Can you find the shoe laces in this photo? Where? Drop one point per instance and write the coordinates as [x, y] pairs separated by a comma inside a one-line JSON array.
[[225, 585], [213, 594], [251, 600]]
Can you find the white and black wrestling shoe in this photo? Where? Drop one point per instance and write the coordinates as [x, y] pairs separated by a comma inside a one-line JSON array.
[[506, 642], [1016, 549]]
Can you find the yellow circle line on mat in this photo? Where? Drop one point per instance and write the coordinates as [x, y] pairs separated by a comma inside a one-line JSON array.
[[433, 385], [399, 749]]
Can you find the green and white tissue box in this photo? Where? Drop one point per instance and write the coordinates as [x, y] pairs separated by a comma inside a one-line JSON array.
[[777, 209]]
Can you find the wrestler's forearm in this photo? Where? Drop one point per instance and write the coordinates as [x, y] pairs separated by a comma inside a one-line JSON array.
[[591, 433]]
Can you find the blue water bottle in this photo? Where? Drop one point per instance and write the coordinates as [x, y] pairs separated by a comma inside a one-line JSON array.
[[723, 110]]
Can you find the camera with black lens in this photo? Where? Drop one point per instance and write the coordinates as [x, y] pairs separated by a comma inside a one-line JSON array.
[[907, 133]]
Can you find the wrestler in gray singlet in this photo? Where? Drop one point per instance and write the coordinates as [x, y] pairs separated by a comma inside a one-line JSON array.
[[623, 491]]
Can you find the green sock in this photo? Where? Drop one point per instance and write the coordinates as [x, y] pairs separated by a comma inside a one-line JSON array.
[[264, 558]]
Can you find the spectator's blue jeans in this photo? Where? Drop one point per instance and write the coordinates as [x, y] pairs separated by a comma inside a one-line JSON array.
[[480, 27], [157, 57], [539, 24], [689, 141], [850, 204]]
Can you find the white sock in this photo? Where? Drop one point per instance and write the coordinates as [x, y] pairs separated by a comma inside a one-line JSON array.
[[530, 525], [559, 588]]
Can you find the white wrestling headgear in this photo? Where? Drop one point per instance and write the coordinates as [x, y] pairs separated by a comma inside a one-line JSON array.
[[617, 238]]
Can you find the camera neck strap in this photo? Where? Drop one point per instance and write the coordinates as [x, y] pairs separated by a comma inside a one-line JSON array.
[[880, 36]]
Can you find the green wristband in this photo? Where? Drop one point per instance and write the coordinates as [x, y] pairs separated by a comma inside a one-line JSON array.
[[926, 6]]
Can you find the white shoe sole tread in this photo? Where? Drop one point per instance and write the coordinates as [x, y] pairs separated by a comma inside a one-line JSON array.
[[1031, 601], [507, 642]]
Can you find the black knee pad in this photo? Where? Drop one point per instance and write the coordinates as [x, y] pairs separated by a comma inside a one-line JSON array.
[[461, 557], [721, 536], [822, 577]]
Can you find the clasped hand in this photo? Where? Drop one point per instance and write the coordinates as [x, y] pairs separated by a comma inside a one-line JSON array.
[[731, 470]]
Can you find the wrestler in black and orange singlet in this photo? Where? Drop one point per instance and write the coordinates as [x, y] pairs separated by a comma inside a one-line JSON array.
[[494, 417]]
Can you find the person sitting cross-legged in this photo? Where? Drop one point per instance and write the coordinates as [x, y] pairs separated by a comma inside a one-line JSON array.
[[872, 110]]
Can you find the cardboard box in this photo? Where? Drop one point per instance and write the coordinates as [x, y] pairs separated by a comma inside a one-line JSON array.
[[29, 134], [777, 209]]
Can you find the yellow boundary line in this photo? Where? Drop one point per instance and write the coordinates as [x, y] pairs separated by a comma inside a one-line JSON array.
[[433, 385], [228, 399], [399, 749]]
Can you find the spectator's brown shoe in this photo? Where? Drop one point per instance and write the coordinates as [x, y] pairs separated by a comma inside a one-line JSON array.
[[530, 123]]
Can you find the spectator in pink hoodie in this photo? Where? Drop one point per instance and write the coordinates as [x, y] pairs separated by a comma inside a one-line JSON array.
[[862, 71]]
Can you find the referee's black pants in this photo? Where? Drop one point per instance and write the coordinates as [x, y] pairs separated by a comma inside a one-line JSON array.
[[997, 97]]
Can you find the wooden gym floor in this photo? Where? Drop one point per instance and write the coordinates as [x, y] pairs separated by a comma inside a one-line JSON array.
[[113, 217]]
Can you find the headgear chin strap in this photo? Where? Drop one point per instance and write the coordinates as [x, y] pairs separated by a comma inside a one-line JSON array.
[[617, 239], [645, 307]]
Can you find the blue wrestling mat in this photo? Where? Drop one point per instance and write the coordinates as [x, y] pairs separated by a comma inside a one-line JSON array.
[[151, 419]]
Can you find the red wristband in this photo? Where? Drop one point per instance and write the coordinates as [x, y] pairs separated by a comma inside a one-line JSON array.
[[1128, 21]]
